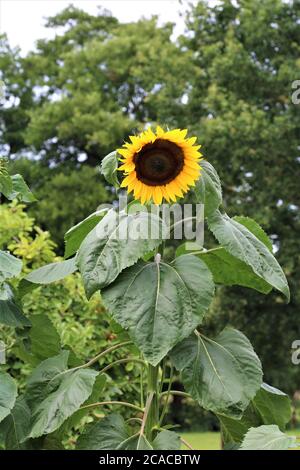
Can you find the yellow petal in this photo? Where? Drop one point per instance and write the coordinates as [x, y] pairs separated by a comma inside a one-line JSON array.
[[192, 164], [128, 167], [144, 192], [157, 195], [164, 193], [137, 189], [170, 193], [159, 131], [175, 188], [124, 152], [128, 179]]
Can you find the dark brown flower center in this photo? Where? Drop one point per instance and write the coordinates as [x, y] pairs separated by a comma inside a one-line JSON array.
[[159, 163]]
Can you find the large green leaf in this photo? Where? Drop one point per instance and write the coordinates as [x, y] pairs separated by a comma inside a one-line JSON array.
[[10, 310], [273, 406], [44, 376], [243, 244], [10, 266], [52, 272], [167, 440], [44, 340], [75, 236], [109, 167], [267, 438], [16, 426], [254, 228], [78, 415], [160, 304], [269, 406], [8, 394], [106, 434], [58, 397], [223, 374], [20, 190], [208, 188], [117, 242], [111, 433], [226, 269]]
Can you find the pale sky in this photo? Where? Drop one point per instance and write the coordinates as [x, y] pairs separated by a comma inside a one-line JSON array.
[[23, 20]]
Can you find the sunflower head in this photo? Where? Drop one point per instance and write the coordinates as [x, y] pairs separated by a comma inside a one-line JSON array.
[[160, 165]]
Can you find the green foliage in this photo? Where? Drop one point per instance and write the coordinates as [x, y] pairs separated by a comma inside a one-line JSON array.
[[178, 296], [13, 187], [8, 394], [75, 236], [240, 242], [80, 93], [118, 241], [112, 433], [223, 374], [267, 438], [109, 167], [269, 406], [55, 394], [10, 309], [208, 188]]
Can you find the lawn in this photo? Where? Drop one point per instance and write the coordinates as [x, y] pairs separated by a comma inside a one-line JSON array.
[[211, 440]]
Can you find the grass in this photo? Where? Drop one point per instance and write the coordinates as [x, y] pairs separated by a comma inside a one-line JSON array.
[[211, 440], [203, 440]]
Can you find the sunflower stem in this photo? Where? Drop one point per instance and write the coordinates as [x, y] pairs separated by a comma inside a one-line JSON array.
[[152, 418]]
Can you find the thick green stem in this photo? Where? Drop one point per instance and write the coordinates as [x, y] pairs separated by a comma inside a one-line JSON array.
[[153, 391]]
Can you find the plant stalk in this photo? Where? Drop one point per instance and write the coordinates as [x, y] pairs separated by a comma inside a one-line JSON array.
[[153, 392]]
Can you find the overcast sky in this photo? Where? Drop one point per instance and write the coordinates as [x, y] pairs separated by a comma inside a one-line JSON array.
[[23, 20]]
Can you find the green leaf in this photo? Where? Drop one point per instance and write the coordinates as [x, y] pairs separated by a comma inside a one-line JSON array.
[[160, 304], [55, 393], [256, 229], [75, 236], [273, 406], [136, 442], [223, 375], [52, 272], [267, 438], [106, 434], [230, 271], [208, 188], [10, 310], [43, 378], [242, 244], [269, 406], [75, 419], [167, 440], [226, 269], [10, 266], [8, 394], [109, 167], [44, 340], [6, 185], [117, 242], [16, 426], [20, 190]]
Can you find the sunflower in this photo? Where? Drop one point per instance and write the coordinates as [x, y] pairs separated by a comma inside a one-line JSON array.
[[160, 165]]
